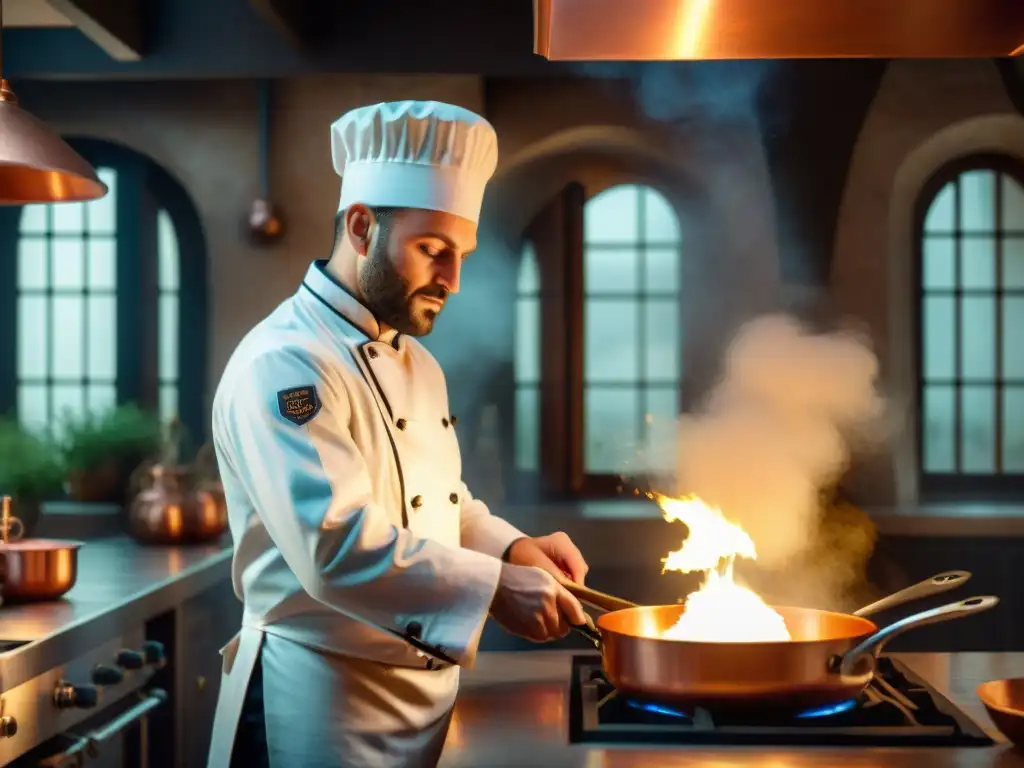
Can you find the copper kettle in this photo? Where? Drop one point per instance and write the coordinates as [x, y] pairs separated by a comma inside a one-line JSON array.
[[178, 504]]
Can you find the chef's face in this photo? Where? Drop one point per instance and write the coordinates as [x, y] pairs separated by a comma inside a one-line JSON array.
[[412, 263]]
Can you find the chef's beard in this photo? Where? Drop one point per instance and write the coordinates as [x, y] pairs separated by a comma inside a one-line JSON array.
[[388, 297]]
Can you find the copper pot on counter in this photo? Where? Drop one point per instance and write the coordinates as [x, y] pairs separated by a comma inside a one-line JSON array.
[[34, 570], [173, 506]]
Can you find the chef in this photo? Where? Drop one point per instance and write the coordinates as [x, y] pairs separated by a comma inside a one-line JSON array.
[[365, 565]]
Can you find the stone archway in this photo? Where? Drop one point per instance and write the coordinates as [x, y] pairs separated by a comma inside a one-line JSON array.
[[721, 191], [596, 156], [719, 187], [479, 365], [923, 118]]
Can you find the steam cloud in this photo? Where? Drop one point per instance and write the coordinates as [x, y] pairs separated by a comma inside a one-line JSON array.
[[774, 436]]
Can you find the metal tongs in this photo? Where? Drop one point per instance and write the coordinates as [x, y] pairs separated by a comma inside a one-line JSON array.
[[935, 585]]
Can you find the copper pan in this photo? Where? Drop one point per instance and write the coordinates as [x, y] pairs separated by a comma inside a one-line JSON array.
[[33, 570], [830, 660], [37, 570]]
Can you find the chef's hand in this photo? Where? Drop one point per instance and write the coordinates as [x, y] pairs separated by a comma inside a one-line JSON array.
[[555, 553], [531, 604]]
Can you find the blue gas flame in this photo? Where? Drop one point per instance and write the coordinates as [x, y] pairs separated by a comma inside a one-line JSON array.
[[831, 709], [826, 711], [657, 709]]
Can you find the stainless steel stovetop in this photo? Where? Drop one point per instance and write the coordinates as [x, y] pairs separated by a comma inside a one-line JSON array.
[[898, 709]]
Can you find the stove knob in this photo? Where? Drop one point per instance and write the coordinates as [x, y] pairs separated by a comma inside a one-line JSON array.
[[130, 660], [8, 727], [154, 653], [104, 675], [67, 696]]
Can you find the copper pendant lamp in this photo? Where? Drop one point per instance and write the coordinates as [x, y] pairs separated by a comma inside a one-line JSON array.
[[36, 165]]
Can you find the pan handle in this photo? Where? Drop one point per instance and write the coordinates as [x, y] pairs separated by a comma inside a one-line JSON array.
[[596, 599], [860, 660], [936, 585], [589, 631]]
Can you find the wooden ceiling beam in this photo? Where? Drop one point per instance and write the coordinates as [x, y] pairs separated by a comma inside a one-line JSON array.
[[114, 25], [295, 20]]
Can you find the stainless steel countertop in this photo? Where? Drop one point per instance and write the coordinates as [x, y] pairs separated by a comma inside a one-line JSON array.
[[512, 711], [120, 585]]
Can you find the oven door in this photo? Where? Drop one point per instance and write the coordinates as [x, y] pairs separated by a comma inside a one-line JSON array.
[[116, 737]]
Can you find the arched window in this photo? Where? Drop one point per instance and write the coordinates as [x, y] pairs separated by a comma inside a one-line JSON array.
[[971, 226], [631, 330], [527, 361], [66, 308], [598, 380], [168, 258], [98, 291]]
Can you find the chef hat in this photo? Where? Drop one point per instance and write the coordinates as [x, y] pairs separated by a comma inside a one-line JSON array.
[[414, 154]]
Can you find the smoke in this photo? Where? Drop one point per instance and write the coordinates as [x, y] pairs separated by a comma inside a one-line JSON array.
[[702, 103], [772, 441], [679, 92]]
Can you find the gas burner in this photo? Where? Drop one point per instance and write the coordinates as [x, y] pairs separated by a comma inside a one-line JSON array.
[[896, 709], [661, 709]]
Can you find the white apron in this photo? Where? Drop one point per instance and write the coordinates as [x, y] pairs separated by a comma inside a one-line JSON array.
[[358, 548]]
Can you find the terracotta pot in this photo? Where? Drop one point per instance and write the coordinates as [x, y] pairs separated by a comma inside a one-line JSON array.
[[105, 483]]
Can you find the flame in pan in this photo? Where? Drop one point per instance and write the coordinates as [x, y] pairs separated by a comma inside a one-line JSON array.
[[721, 611]]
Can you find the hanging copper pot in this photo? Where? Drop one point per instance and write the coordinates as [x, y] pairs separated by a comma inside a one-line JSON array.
[[265, 224]]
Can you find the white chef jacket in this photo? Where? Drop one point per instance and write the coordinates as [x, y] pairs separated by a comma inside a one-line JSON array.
[[354, 535]]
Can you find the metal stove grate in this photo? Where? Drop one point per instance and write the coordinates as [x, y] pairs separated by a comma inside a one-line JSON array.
[[898, 709]]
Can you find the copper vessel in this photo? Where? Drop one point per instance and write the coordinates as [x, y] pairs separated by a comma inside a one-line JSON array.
[[1004, 702], [34, 570], [174, 507], [660, 30], [829, 660]]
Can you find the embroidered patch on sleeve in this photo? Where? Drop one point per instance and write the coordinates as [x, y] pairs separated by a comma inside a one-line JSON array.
[[299, 405]]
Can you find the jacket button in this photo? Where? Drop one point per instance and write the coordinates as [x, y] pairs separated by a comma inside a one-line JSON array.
[[453, 418], [444, 423], [400, 424], [417, 502], [414, 629], [371, 352], [453, 498]]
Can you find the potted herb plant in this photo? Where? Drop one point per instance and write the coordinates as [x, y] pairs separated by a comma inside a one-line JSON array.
[[102, 450], [31, 472]]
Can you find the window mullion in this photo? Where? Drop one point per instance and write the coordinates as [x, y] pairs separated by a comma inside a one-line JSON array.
[[958, 437], [997, 307], [10, 218]]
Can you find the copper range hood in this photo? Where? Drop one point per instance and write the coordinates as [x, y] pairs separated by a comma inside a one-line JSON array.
[[659, 30]]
